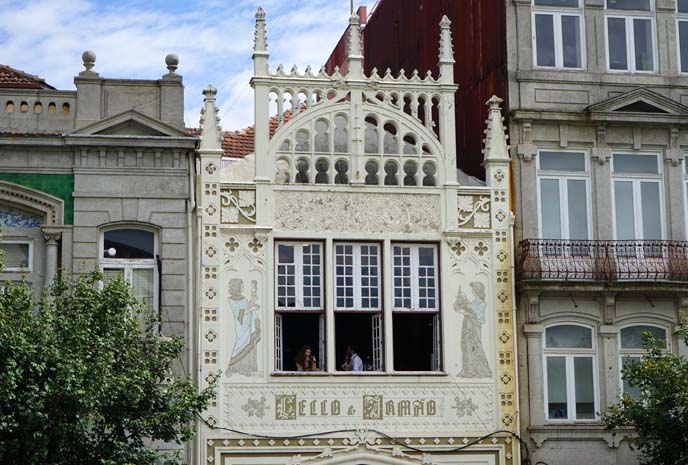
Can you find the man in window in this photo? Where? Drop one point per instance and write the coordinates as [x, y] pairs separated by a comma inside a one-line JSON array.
[[353, 361]]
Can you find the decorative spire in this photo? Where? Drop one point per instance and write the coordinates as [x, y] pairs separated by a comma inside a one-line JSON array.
[[354, 53], [210, 128], [260, 41], [495, 138], [446, 47]]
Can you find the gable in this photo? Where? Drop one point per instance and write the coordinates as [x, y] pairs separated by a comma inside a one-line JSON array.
[[639, 100], [641, 106], [131, 123]]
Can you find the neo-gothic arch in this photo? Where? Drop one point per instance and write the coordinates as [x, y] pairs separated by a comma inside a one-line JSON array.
[[323, 136], [368, 455], [49, 208]]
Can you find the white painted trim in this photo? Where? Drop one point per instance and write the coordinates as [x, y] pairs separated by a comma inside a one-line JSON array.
[[28, 269], [357, 285], [298, 276], [557, 13], [414, 264], [629, 16]]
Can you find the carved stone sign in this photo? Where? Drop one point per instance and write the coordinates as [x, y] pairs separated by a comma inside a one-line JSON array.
[[474, 211], [238, 206], [357, 212]]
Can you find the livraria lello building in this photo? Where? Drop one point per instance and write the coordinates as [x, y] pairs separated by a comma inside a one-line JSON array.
[[346, 231]]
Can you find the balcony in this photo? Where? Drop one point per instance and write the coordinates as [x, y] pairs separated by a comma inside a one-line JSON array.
[[608, 261]]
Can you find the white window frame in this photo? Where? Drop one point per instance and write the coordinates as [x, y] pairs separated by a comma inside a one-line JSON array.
[[628, 16], [298, 276], [637, 179], [637, 353], [357, 276], [29, 268], [681, 17], [569, 355], [127, 265], [563, 177], [557, 13], [414, 263]]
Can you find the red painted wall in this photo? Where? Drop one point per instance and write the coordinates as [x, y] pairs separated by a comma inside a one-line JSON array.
[[405, 34]]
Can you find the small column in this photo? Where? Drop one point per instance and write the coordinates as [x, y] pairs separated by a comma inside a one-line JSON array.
[[51, 239], [601, 188], [535, 373], [609, 371]]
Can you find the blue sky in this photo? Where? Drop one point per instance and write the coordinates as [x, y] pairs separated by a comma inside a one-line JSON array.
[[213, 38]]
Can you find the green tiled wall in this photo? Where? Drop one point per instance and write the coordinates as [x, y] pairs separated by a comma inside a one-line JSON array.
[[57, 185]]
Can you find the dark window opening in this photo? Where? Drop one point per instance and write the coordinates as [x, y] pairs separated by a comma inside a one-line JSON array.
[[129, 243], [641, 107], [415, 342], [297, 331], [364, 332]]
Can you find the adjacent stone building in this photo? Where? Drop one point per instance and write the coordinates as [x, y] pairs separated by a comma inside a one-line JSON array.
[[100, 177], [597, 96], [355, 299]]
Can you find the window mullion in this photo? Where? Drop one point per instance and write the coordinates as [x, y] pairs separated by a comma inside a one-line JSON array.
[[630, 44], [564, 207], [415, 303], [570, 387], [298, 275], [558, 41], [358, 303]]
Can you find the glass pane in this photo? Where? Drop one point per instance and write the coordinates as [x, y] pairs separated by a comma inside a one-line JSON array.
[[568, 337], [682, 6], [15, 256], [633, 163], [624, 211], [652, 218], [585, 391], [578, 209], [641, 5], [683, 44], [322, 136], [550, 209], [571, 41], [372, 143], [142, 286], [616, 33], [633, 391], [631, 337], [129, 243], [642, 36], [562, 161], [570, 3], [285, 253], [341, 134], [112, 274], [557, 407], [544, 40]]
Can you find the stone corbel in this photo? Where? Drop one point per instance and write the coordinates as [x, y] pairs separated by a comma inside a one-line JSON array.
[[526, 150], [609, 309], [533, 309], [682, 310], [674, 154], [601, 152]]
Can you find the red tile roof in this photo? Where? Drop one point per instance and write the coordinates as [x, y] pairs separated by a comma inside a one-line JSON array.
[[11, 78]]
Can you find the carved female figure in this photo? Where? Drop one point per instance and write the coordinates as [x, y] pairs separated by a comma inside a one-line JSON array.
[[246, 328], [474, 361]]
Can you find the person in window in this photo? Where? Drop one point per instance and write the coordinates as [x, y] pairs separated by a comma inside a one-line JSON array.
[[305, 361], [246, 328], [474, 361], [352, 360]]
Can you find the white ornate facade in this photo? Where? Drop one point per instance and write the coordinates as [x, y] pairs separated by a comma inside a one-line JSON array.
[[348, 227]]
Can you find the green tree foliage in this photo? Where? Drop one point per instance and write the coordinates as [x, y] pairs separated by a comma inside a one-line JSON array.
[[83, 381], [660, 414]]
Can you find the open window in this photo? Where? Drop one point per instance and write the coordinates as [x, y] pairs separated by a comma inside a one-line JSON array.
[[416, 310], [129, 253], [299, 304], [358, 306]]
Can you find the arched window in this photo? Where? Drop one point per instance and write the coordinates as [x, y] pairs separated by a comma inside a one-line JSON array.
[[372, 167], [569, 372], [631, 349], [130, 253]]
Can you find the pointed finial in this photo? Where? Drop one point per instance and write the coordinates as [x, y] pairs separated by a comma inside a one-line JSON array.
[[495, 138], [260, 41], [446, 47], [354, 52], [210, 128], [351, 8]]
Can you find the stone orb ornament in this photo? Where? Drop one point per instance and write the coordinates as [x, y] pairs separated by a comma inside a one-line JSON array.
[[172, 61], [89, 59]]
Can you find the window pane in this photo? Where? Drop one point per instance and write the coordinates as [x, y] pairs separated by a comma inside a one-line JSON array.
[[286, 276], [633, 391], [652, 219], [557, 407], [682, 6], [112, 274], [642, 5], [683, 44], [370, 277], [15, 256], [585, 391], [142, 286], [570, 3], [550, 209], [571, 41], [311, 276], [618, 54], [562, 161], [544, 40], [426, 278], [642, 36], [640, 164], [625, 214], [631, 337], [129, 243], [568, 337], [578, 209]]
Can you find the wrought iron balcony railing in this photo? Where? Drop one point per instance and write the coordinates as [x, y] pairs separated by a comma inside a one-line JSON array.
[[564, 260]]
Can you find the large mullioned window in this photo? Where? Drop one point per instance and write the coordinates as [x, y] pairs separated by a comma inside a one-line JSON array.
[[631, 37], [558, 34]]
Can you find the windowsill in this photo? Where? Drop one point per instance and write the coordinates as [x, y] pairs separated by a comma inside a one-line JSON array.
[[556, 68], [321, 374]]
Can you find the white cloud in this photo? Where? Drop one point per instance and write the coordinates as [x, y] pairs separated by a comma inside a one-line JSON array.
[[213, 39]]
